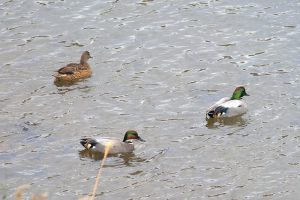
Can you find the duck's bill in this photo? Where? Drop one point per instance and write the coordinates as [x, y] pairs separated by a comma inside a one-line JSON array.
[[140, 139], [246, 94]]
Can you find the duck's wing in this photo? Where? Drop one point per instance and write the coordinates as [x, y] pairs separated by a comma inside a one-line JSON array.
[[230, 109], [69, 69], [126, 147], [210, 111], [116, 145]]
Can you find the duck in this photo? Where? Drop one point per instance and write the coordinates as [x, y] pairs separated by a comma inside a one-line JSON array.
[[229, 106], [117, 145], [75, 71]]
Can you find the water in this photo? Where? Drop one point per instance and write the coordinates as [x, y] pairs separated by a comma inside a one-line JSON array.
[[157, 66]]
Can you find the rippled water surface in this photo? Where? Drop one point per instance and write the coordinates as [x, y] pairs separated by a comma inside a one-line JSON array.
[[157, 65]]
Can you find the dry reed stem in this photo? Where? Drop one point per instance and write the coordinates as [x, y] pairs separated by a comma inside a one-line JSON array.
[[21, 190], [100, 170], [42, 196]]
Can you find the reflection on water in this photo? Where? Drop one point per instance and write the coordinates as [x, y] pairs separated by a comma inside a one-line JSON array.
[[127, 159], [63, 89], [232, 121], [61, 83]]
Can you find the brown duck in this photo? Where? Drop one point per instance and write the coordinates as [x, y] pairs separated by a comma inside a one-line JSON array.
[[75, 71]]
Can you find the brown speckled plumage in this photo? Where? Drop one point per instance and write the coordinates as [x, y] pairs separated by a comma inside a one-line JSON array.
[[74, 71]]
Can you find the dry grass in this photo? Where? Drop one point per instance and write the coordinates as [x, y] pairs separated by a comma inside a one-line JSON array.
[[24, 188], [21, 190], [42, 196]]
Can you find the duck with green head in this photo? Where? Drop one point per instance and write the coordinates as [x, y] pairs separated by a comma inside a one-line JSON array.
[[229, 106], [117, 145]]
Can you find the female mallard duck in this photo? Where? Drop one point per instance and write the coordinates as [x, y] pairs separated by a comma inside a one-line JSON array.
[[229, 107], [75, 71], [117, 145]]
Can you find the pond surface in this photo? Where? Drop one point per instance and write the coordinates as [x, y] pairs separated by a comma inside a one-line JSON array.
[[157, 66]]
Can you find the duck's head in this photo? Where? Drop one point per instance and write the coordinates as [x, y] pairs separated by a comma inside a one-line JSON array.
[[85, 56], [132, 135], [238, 93]]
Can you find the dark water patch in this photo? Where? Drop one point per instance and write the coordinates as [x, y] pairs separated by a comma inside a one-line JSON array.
[[268, 195], [53, 176], [26, 114], [225, 58], [192, 82], [28, 123], [261, 65], [3, 100], [265, 39], [227, 45], [260, 74], [282, 71], [255, 54], [211, 90], [13, 28], [216, 195], [294, 163], [89, 28], [136, 173], [175, 119], [75, 44], [290, 26], [198, 4], [145, 2]]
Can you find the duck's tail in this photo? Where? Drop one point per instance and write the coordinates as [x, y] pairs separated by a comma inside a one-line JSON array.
[[88, 143], [210, 114], [217, 112]]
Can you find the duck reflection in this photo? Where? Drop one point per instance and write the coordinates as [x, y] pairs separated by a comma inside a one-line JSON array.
[[63, 89], [61, 83], [232, 121], [127, 159]]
